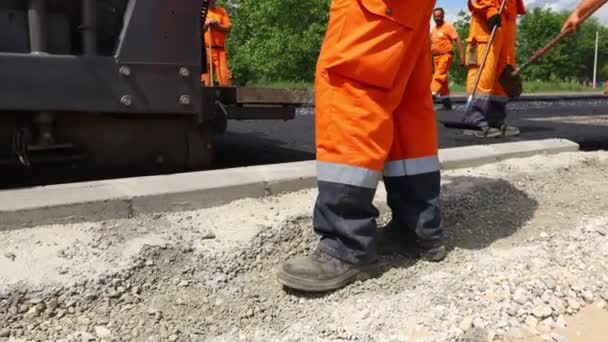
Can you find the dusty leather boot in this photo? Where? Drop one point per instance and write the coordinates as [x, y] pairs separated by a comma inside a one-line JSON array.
[[406, 243], [321, 272]]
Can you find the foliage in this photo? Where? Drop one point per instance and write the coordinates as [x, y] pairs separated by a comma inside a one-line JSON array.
[[278, 41]]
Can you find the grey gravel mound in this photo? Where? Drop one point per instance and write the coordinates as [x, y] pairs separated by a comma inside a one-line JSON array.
[[528, 248]]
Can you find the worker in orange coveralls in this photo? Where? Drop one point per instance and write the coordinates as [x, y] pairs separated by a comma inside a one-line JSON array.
[[443, 37], [374, 117], [219, 23], [488, 108]]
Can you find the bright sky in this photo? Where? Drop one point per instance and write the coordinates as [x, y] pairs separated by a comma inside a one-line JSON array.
[[453, 6]]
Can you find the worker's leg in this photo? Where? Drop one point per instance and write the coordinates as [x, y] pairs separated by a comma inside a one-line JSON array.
[[354, 101], [444, 93], [480, 107], [411, 174], [440, 74], [223, 74], [498, 105]]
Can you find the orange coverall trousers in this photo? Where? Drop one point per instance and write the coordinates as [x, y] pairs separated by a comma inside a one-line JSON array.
[[489, 105], [442, 64], [221, 70], [374, 118]]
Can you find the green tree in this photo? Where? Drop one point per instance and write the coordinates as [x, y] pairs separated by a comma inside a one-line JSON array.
[[276, 40], [458, 74], [571, 59]]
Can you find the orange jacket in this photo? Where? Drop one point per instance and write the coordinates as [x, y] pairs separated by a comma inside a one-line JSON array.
[[218, 37], [482, 10], [488, 8]]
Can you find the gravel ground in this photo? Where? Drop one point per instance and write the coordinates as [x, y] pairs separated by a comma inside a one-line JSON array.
[[528, 241]]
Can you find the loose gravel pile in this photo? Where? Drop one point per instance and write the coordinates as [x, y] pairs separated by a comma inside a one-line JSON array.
[[528, 243]]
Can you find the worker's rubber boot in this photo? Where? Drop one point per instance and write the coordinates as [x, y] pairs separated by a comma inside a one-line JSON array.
[[407, 243], [485, 132], [322, 272], [447, 103], [509, 131]]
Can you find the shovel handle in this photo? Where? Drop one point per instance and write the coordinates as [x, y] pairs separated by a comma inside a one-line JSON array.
[[541, 52]]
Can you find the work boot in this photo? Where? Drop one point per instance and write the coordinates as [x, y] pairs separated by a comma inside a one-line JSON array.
[[391, 241], [433, 251], [322, 272], [509, 131], [486, 132], [447, 103], [406, 242]]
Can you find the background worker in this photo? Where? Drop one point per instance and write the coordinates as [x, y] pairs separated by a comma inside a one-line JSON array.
[[374, 117], [443, 38], [215, 45], [489, 107], [575, 18]]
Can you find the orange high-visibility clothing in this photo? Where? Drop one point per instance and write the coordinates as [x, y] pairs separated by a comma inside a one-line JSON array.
[[440, 84], [221, 70], [216, 53], [374, 118], [372, 97], [442, 39], [218, 38], [502, 51]]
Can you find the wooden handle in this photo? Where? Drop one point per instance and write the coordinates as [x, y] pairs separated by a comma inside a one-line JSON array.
[[541, 52]]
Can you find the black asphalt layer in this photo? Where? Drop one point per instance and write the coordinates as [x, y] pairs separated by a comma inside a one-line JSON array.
[[259, 142]]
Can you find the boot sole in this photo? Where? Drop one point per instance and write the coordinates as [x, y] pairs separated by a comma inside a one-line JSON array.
[[307, 285]]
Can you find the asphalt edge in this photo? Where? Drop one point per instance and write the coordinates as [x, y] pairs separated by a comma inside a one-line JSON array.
[[129, 197]]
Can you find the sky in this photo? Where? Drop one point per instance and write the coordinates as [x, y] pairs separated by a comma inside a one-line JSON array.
[[453, 6]]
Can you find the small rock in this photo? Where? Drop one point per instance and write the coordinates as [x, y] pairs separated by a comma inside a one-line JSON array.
[[63, 269], [548, 322], [466, 324], [604, 294], [5, 332], [543, 235], [184, 283], [172, 338], [531, 321], [10, 255], [512, 310], [520, 296], [86, 337], [588, 296], [550, 283], [103, 332], [542, 311], [60, 313], [53, 303], [478, 323], [573, 303]]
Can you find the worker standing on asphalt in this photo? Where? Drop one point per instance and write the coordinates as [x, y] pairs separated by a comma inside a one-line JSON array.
[[374, 114], [489, 107], [575, 18], [217, 26], [443, 38]]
